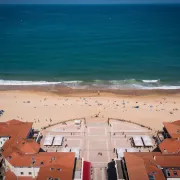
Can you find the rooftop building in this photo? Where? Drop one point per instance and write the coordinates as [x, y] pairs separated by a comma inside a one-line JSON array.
[[13, 130], [157, 165], [170, 146], [24, 160], [154, 166], [172, 128]]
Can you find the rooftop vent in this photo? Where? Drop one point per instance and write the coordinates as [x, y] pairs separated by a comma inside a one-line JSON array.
[[51, 168], [9, 157], [49, 178], [53, 158], [41, 163], [58, 169]]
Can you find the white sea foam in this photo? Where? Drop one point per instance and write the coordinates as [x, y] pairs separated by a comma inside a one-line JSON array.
[[163, 87], [113, 84], [72, 82], [151, 81], [25, 83]]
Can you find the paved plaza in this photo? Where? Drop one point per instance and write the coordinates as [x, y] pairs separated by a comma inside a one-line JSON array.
[[98, 143]]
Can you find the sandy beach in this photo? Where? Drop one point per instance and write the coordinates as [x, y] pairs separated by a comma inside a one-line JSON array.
[[45, 108]]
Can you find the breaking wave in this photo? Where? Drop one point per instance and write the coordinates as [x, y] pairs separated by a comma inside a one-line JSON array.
[[101, 84]]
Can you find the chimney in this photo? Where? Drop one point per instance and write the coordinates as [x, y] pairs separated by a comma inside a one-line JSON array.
[[165, 150], [154, 157]]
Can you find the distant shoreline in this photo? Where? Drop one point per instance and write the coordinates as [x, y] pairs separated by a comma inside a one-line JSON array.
[[63, 90], [93, 4]]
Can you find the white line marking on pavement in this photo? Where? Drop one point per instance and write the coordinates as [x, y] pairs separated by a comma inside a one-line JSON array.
[[108, 151]]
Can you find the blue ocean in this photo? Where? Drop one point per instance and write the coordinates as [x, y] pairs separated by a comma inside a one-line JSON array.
[[114, 46]]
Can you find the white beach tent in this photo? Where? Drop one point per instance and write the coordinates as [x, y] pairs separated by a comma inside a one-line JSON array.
[[58, 140], [77, 122], [48, 140], [147, 140], [137, 141]]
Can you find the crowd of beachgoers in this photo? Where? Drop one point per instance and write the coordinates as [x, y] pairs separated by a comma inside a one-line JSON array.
[[45, 108]]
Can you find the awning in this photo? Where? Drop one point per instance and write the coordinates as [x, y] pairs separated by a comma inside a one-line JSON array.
[[137, 141], [77, 121], [86, 170], [58, 140], [48, 140], [147, 141]]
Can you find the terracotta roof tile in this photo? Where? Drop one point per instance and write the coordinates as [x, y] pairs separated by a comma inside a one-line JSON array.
[[176, 122], [25, 178], [170, 145], [12, 127], [135, 165], [22, 152], [28, 146], [140, 165], [173, 128], [16, 130], [65, 159], [9, 175], [55, 172]]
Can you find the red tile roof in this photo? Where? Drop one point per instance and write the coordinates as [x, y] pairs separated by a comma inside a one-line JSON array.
[[65, 159], [28, 146], [61, 167], [173, 128], [46, 160], [135, 165], [12, 127], [140, 165], [170, 145], [22, 152], [9, 175], [16, 130], [55, 172], [25, 178]]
